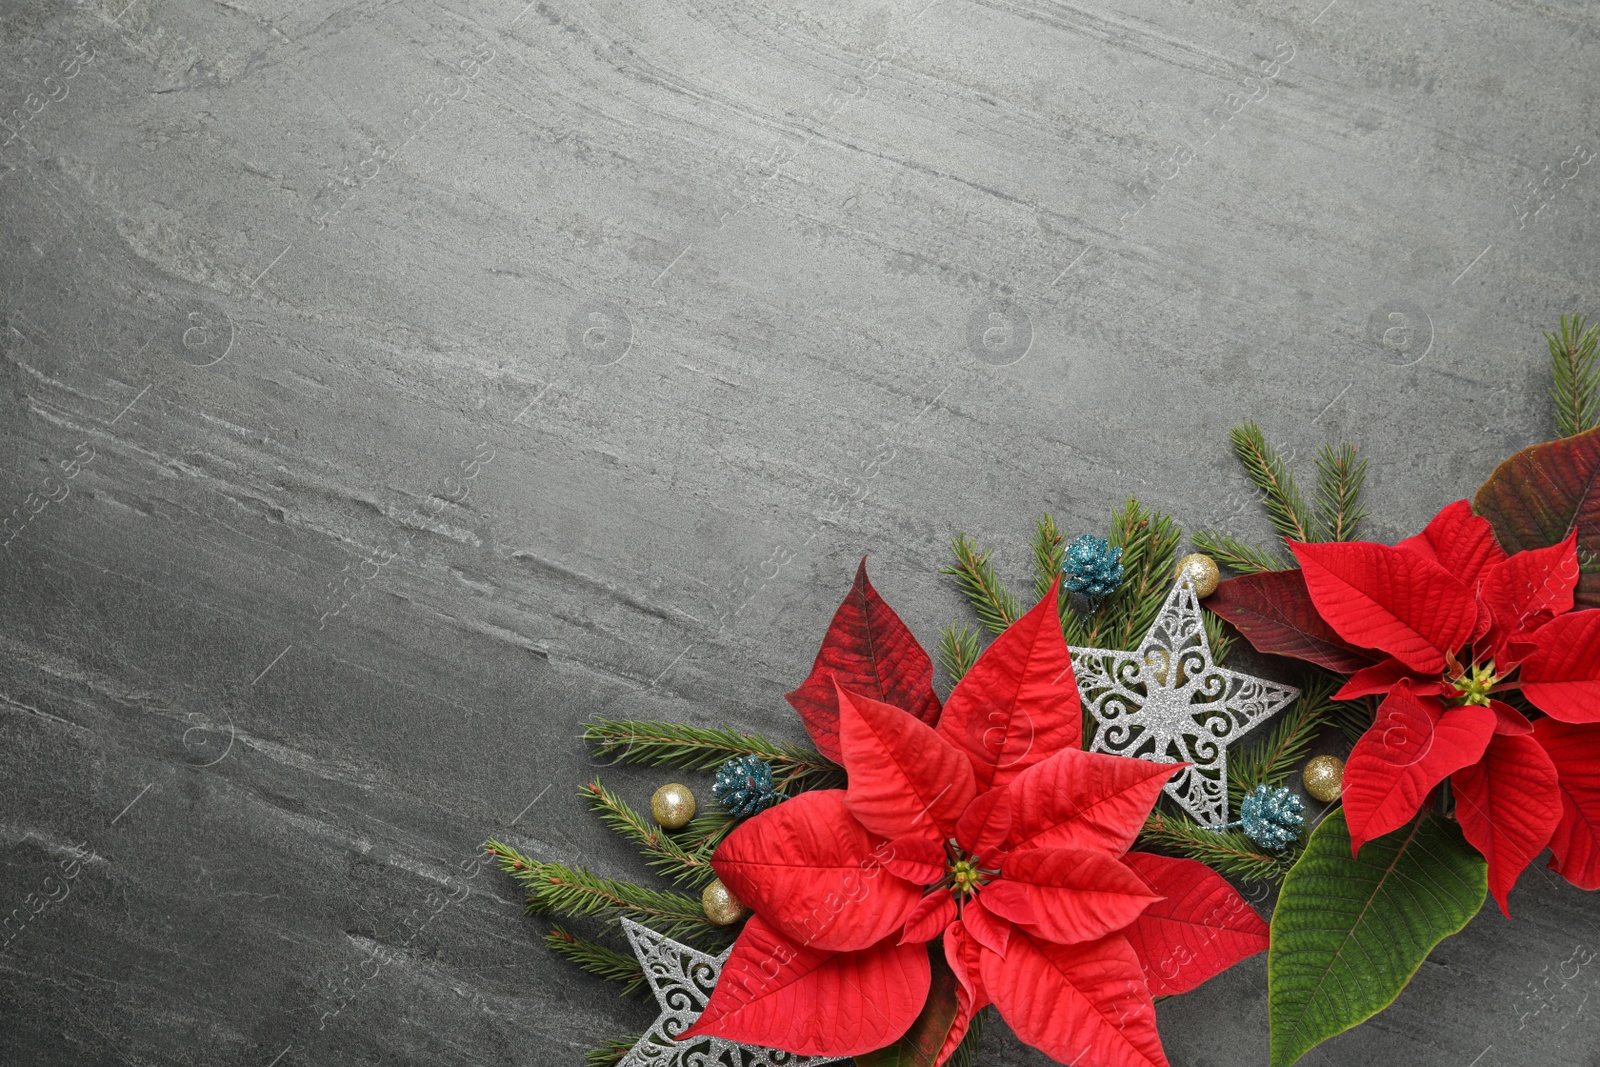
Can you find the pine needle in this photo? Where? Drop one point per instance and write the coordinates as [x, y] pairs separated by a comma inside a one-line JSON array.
[[1049, 551], [1339, 481], [1237, 556], [1228, 852], [611, 1053], [575, 892], [1354, 717], [1272, 760], [1149, 543], [662, 851], [597, 959], [696, 748], [958, 651], [995, 605], [1575, 372], [1218, 637], [1290, 514]]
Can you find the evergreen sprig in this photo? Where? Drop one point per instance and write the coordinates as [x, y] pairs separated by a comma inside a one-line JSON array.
[[958, 650], [1353, 718], [995, 605], [662, 850], [1274, 759], [597, 959], [611, 1053], [575, 892], [1339, 480], [1149, 543], [697, 748], [1575, 370], [1049, 551], [966, 1053], [1291, 515], [1236, 555], [1228, 852]]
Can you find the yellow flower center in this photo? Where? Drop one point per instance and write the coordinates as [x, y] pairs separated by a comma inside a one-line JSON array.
[[1474, 685], [965, 876]]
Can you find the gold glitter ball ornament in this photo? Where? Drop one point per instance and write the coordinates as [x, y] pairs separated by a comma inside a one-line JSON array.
[[672, 805], [1324, 777], [720, 905], [1201, 570]]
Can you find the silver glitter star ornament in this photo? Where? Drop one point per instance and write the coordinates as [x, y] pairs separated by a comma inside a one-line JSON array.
[[682, 979], [1169, 702]]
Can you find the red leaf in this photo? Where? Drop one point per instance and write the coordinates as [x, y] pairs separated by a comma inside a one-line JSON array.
[[923, 1045], [1378, 678], [1562, 677], [986, 928], [1086, 1004], [1530, 587], [867, 649], [1508, 805], [809, 868], [928, 919], [1010, 900], [1542, 494], [985, 824], [1077, 894], [1508, 720], [778, 994], [1412, 746], [1085, 800], [904, 778], [1575, 751], [1389, 598], [1275, 614], [1018, 705], [1202, 928], [1459, 541], [963, 954], [918, 860]]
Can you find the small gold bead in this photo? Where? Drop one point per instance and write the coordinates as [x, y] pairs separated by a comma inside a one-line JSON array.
[[1324, 777], [1201, 570], [721, 906], [672, 805]]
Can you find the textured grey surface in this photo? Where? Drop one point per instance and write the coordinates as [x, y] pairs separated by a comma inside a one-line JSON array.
[[720, 296]]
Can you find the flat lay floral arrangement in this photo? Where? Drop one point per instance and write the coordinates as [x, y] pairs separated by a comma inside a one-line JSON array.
[[1058, 840]]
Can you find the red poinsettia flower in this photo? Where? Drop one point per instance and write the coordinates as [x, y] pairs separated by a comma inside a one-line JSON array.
[[991, 835], [1459, 621]]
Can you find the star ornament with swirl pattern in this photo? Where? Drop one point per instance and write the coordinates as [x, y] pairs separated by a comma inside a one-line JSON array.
[[1169, 702], [682, 979]]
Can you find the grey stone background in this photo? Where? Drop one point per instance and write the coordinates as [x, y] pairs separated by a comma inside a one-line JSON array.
[[390, 387]]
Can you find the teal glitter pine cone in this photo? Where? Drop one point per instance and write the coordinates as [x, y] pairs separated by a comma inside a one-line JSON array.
[[744, 786], [1092, 568], [1272, 818]]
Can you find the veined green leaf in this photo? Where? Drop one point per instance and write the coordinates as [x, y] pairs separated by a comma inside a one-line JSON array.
[[1348, 934]]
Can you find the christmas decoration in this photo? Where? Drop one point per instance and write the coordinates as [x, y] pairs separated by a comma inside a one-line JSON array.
[[1092, 568], [744, 786], [1201, 572], [721, 906], [672, 806], [682, 979], [1168, 701], [1272, 818], [1323, 777]]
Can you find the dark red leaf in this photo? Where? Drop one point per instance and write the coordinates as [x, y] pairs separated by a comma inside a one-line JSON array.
[[867, 649], [1542, 494], [1275, 614]]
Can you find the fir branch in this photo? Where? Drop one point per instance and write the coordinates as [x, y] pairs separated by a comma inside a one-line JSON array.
[[1290, 514], [1339, 481], [595, 958], [1218, 637], [1354, 717], [995, 605], [1273, 760], [611, 1053], [1237, 556], [575, 892], [966, 1053], [1228, 852], [662, 852], [958, 651], [1149, 543], [1575, 373], [705, 832], [696, 748], [1049, 550]]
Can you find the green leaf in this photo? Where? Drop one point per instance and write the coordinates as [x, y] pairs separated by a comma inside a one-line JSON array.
[[1535, 498], [920, 1045], [1348, 934]]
